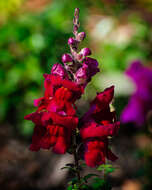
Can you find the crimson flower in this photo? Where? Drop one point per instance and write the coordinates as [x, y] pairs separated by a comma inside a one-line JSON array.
[[98, 124], [55, 118]]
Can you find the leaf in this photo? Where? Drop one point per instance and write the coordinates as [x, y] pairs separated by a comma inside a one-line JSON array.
[[70, 168], [74, 180], [98, 183], [107, 168], [83, 165], [70, 187], [70, 164], [73, 184], [70, 183], [65, 168], [84, 186], [89, 176], [75, 187]]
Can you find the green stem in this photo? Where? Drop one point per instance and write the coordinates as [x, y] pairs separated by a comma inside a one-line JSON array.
[[77, 165], [76, 162]]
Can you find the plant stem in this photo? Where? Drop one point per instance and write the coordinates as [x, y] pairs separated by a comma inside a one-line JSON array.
[[74, 54], [76, 161], [76, 22]]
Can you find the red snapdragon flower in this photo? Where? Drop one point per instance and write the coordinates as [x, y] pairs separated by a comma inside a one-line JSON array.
[[55, 118], [98, 124]]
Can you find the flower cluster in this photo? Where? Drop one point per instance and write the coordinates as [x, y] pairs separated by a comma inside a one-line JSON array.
[[140, 102], [55, 118], [98, 124]]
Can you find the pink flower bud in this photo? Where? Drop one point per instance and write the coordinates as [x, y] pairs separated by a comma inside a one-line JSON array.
[[80, 57], [71, 41], [59, 70], [81, 75], [66, 58], [85, 52], [81, 36]]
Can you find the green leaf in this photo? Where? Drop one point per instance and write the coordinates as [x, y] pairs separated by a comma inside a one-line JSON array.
[[70, 187], [89, 176], [107, 168], [70, 168], [70, 165], [66, 167], [75, 187], [98, 183], [74, 180], [70, 183], [85, 187]]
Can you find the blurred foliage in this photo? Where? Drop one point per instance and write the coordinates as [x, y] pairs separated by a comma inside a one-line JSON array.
[[118, 52], [91, 181], [9, 7], [145, 172]]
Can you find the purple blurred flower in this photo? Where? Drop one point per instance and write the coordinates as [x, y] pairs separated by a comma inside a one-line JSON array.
[[141, 101]]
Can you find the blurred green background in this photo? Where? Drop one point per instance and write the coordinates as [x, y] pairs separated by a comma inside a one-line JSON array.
[[33, 36]]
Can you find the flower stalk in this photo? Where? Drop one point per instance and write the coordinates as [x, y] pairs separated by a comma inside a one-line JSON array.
[[56, 121], [74, 50], [76, 158]]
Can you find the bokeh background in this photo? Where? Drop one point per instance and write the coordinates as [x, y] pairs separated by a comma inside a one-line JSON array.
[[33, 36]]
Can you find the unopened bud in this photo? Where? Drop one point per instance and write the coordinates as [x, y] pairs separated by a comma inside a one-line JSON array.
[[81, 36], [71, 41], [81, 75], [66, 58], [85, 52], [58, 69], [80, 57]]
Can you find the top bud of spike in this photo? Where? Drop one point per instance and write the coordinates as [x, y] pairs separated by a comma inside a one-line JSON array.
[[76, 22], [76, 16]]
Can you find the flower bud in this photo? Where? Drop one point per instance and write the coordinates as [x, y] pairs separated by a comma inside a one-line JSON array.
[[75, 29], [81, 36], [71, 41], [92, 66], [81, 75], [80, 57], [66, 58], [85, 52], [58, 69]]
